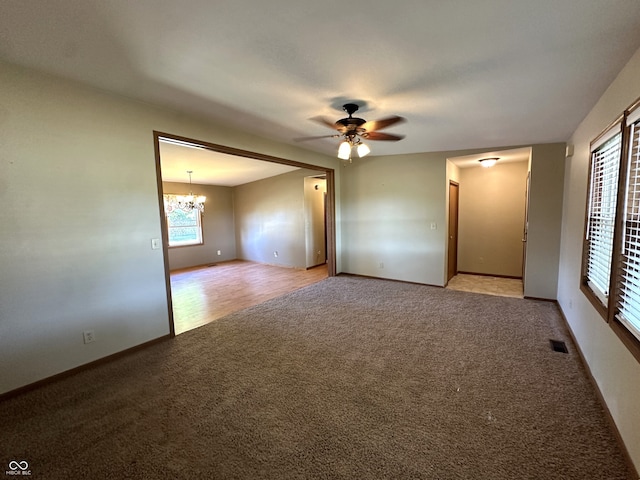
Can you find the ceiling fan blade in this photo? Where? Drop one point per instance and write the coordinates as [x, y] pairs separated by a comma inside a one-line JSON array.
[[382, 123], [304, 139], [328, 123], [381, 136]]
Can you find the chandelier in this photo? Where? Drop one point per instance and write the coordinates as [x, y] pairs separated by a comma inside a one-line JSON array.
[[186, 202]]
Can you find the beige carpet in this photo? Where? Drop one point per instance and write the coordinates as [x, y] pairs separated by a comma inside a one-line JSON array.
[[350, 378]]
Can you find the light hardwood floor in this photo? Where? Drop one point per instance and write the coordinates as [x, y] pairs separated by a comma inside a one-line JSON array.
[[204, 294]]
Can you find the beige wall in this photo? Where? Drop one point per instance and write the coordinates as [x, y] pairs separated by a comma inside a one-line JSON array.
[[78, 255], [270, 217], [389, 204], [218, 227], [491, 219], [545, 221], [615, 370], [314, 206], [269, 214]]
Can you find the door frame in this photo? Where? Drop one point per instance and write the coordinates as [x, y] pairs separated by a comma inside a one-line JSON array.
[[453, 230], [525, 233], [330, 222]]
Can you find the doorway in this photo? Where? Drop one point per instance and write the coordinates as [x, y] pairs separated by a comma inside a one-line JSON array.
[[525, 232], [487, 215], [452, 260], [202, 295], [240, 156]]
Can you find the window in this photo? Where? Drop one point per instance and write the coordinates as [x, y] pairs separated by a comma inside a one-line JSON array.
[[184, 226], [628, 298], [601, 213], [611, 253]]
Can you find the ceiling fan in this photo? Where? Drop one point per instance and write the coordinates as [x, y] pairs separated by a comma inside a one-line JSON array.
[[354, 129]]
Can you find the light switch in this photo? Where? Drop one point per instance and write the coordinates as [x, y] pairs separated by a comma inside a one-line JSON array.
[[434, 226], [155, 243]]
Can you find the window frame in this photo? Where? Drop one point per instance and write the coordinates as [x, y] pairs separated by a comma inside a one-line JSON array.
[[624, 332], [615, 128], [610, 311], [198, 242]]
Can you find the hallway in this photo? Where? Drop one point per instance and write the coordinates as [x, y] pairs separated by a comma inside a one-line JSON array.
[[500, 286]]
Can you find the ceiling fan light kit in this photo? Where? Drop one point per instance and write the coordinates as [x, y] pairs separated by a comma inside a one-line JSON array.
[[346, 146], [363, 149], [353, 130], [344, 150]]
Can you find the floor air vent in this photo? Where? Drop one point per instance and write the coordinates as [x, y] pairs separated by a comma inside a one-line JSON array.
[[558, 346]]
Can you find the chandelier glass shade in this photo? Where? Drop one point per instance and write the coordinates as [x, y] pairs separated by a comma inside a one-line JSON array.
[[190, 202]]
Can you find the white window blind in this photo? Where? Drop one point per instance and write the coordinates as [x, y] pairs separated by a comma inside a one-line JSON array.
[[605, 164], [629, 282]]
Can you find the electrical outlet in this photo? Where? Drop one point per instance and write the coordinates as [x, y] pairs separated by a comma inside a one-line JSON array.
[[275, 254], [219, 252], [381, 265], [89, 336]]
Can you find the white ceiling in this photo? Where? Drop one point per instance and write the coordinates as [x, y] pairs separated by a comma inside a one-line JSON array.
[[213, 168], [464, 73]]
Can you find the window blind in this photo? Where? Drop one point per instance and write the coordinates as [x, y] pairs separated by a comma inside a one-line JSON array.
[[628, 301], [605, 164]]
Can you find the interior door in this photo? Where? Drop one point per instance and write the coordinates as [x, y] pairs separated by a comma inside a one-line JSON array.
[[452, 259]]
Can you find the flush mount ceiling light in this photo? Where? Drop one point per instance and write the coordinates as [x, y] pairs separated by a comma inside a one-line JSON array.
[[488, 162], [186, 202]]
